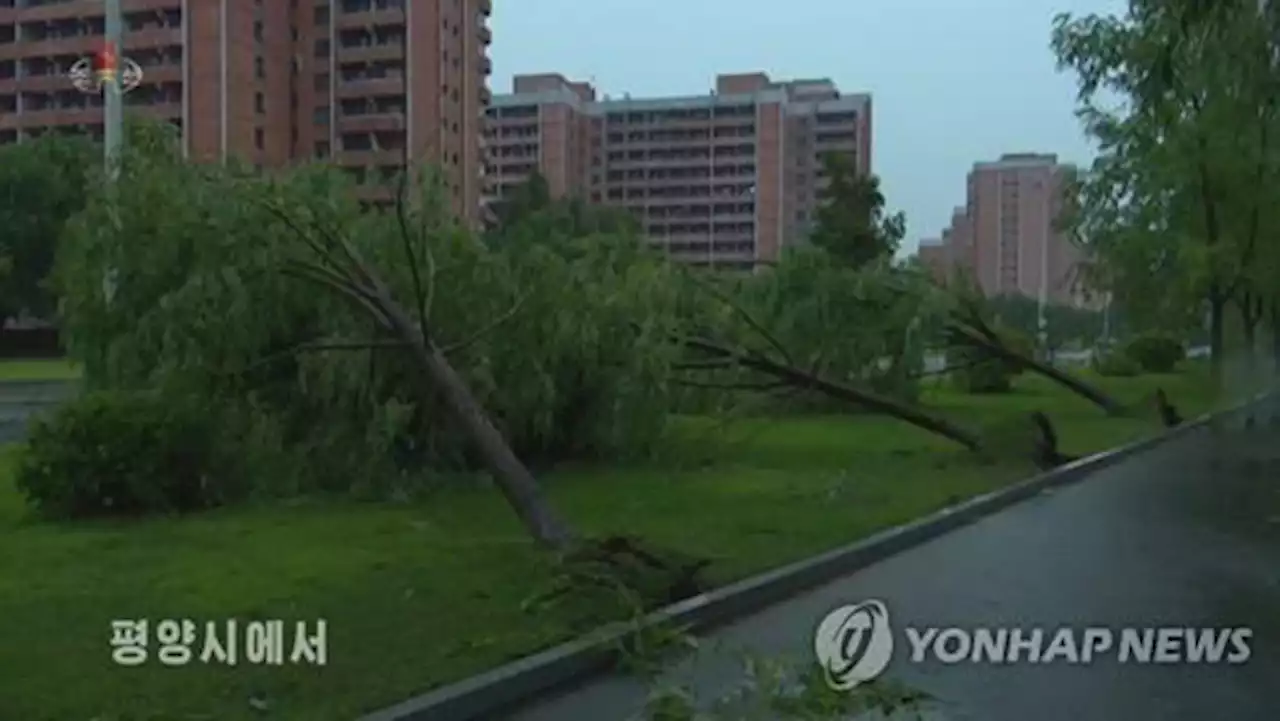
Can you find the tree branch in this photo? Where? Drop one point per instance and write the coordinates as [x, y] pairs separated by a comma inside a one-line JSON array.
[[746, 315], [343, 286], [418, 295], [488, 328]]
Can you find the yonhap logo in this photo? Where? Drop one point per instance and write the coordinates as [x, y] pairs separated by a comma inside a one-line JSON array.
[[854, 644]]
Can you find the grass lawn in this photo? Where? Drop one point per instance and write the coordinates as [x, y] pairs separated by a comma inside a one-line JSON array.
[[417, 595], [38, 370]]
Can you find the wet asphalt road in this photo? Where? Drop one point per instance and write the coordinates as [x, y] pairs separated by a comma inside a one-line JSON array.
[[21, 400], [1186, 535]]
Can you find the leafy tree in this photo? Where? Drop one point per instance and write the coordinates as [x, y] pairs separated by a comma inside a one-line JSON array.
[[424, 344], [528, 198], [532, 216], [843, 322], [851, 222], [1178, 208], [42, 184]]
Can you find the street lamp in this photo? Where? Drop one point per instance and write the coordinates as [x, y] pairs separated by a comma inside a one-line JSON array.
[[108, 73]]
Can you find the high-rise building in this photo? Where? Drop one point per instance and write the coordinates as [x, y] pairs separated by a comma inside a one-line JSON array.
[[721, 179], [953, 251], [369, 83], [1007, 236]]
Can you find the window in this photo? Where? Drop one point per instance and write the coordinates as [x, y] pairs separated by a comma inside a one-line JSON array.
[[321, 115], [322, 82], [322, 149], [259, 138], [259, 103], [259, 67], [322, 15], [257, 30], [322, 48]]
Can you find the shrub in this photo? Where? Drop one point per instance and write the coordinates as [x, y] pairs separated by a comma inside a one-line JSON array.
[[127, 453], [1119, 365], [1155, 352]]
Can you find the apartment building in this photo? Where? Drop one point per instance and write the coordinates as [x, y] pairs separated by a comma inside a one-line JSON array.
[[952, 251], [723, 179], [367, 83], [1006, 236]]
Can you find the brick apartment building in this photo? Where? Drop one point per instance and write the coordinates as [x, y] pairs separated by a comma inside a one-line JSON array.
[[364, 82], [723, 179], [1005, 237]]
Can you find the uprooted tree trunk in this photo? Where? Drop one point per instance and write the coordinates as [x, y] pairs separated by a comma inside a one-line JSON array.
[[337, 266], [975, 333], [796, 377], [788, 374], [1044, 451], [968, 328], [650, 575]]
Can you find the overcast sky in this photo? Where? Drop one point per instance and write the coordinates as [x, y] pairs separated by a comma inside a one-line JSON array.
[[952, 81]]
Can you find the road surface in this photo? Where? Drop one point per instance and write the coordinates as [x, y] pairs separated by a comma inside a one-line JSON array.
[[20, 400], [1186, 535]]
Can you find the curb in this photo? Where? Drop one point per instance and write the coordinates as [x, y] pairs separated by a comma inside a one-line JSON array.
[[480, 696]]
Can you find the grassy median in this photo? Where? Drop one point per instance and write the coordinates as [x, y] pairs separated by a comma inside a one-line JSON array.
[[421, 593]]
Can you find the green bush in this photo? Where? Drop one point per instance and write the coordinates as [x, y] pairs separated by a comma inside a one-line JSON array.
[[1155, 352], [1117, 365], [127, 453]]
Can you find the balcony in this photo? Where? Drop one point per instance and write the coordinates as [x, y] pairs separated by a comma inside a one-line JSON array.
[[486, 7], [369, 53], [79, 8], [370, 87], [152, 38], [486, 65], [80, 45], [59, 116], [162, 74], [371, 123], [35, 83], [136, 5], [486, 35], [371, 18]]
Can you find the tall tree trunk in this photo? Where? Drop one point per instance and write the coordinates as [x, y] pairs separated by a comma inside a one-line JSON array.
[[514, 479]]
